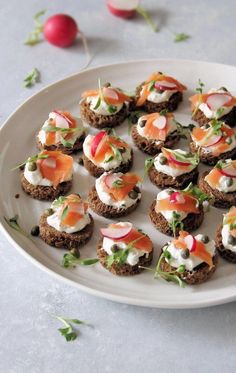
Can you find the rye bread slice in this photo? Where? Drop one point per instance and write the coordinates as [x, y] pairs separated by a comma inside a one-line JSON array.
[[227, 254], [162, 180], [190, 223], [229, 118], [63, 240], [108, 211], [209, 158], [98, 171], [47, 193], [78, 145], [198, 275], [220, 199], [150, 146], [102, 121], [125, 269], [152, 107]]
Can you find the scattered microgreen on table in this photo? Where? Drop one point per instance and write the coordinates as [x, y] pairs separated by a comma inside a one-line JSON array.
[[32, 78], [68, 332], [34, 36], [14, 224], [71, 260], [181, 37]]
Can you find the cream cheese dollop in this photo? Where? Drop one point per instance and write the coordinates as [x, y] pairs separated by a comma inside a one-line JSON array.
[[172, 171], [103, 108], [169, 215], [157, 98], [225, 234]]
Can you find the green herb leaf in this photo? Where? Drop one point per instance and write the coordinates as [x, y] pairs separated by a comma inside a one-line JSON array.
[[119, 183], [98, 103], [117, 153], [109, 159], [13, 223], [220, 164], [70, 260], [59, 129], [181, 37], [176, 223], [112, 109], [219, 112], [58, 202], [68, 332], [65, 143], [148, 164], [32, 78], [164, 112], [187, 157], [168, 276], [34, 36], [147, 18], [64, 212], [199, 89], [119, 257], [151, 85], [197, 193], [30, 159], [181, 268]]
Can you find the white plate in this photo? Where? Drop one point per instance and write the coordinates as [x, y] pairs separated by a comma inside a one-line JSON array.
[[17, 143]]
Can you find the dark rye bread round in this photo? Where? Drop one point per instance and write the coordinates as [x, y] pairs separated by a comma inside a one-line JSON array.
[[229, 118], [162, 180], [102, 121], [190, 223], [63, 240], [152, 107], [47, 193], [125, 269], [108, 211], [220, 199], [227, 254], [78, 145], [198, 275], [98, 171], [209, 158], [150, 146]]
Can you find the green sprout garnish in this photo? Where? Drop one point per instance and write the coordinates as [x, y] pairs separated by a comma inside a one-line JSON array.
[[197, 193], [176, 223], [181, 37], [34, 36], [69, 333], [148, 164], [71, 260], [13, 223], [119, 256], [32, 78], [169, 276], [30, 159]]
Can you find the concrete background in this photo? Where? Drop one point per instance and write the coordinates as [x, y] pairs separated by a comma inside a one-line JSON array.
[[124, 338]]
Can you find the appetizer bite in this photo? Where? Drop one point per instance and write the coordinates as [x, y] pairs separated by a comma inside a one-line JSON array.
[[217, 103], [173, 168], [173, 210], [159, 92], [104, 152], [67, 224], [213, 142], [104, 107], [115, 194], [123, 249], [47, 175], [61, 131], [226, 236], [220, 183], [188, 259], [153, 131]]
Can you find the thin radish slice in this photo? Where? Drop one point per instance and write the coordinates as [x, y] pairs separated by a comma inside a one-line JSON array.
[[110, 93], [177, 197], [59, 117], [117, 231], [213, 140], [164, 85], [50, 162], [178, 163], [229, 171], [216, 101], [96, 141], [160, 122], [110, 179], [190, 242], [123, 8]]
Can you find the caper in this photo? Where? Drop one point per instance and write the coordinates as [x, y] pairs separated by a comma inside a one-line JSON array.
[[185, 253], [107, 84], [35, 231], [74, 251], [142, 123], [81, 161], [49, 211], [228, 140], [223, 89], [232, 240], [122, 150], [207, 125], [205, 239], [163, 160], [133, 194], [32, 166], [114, 248], [136, 189], [229, 181], [169, 191]]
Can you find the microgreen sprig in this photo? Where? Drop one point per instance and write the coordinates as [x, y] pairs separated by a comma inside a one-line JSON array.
[[148, 164], [169, 276], [71, 260], [116, 151], [197, 193], [147, 18], [32, 78], [133, 119], [69, 333], [13, 223], [30, 159], [182, 36], [176, 223], [34, 36], [199, 90]]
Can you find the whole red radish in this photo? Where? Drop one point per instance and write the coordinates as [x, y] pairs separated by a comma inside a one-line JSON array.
[[60, 30]]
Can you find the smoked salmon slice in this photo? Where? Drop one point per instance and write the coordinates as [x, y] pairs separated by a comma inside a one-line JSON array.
[[56, 167], [202, 98], [189, 205], [105, 148], [51, 136], [143, 242], [76, 209], [213, 177], [119, 97], [129, 181]]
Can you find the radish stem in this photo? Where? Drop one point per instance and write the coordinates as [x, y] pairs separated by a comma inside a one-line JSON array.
[[147, 18]]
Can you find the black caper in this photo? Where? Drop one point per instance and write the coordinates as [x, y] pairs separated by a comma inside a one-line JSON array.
[[163, 160], [51, 119], [81, 161], [205, 239], [49, 211], [133, 194], [169, 191], [107, 85], [136, 189], [185, 253], [122, 150], [114, 248], [223, 89], [142, 123], [74, 251], [35, 231], [229, 181], [32, 166], [232, 240]]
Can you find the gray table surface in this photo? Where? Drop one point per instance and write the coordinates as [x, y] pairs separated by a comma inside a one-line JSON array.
[[124, 338]]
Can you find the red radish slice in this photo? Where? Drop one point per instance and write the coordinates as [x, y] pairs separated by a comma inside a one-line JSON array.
[[164, 85], [96, 141], [110, 93], [177, 197], [110, 179], [179, 163], [216, 101], [50, 162], [213, 140], [160, 122], [63, 116], [123, 8], [229, 171], [117, 231], [190, 242]]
